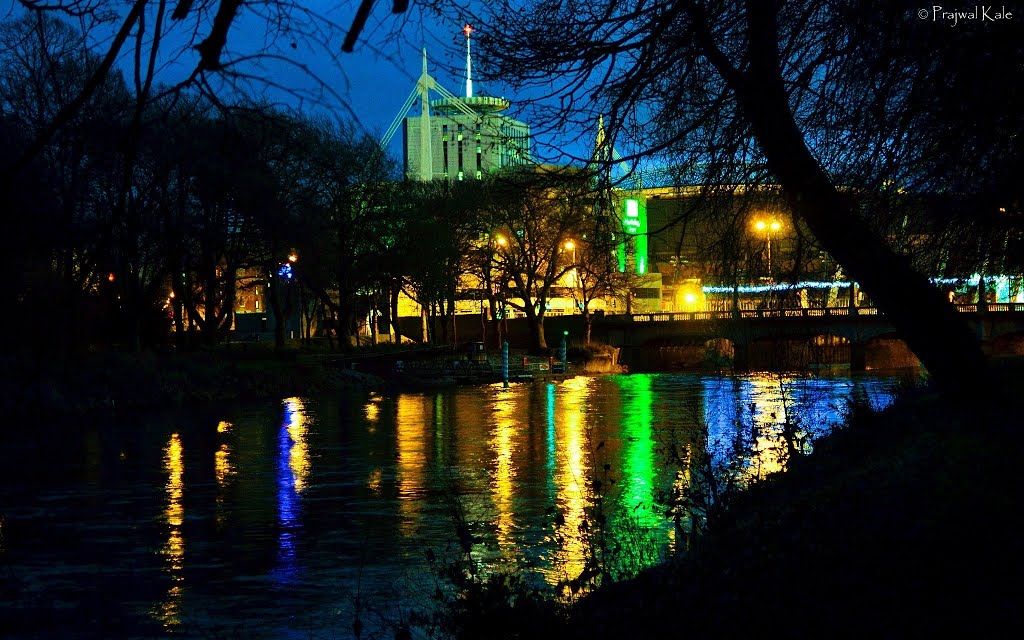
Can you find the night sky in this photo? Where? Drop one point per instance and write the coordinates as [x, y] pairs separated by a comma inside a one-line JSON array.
[[305, 69]]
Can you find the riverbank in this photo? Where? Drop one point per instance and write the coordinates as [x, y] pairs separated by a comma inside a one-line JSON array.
[[127, 381], [123, 381], [900, 525]]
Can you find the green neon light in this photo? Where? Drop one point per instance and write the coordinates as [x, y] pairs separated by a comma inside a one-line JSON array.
[[634, 223]]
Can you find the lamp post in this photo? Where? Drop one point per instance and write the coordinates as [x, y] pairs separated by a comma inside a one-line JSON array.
[[498, 293], [575, 278], [287, 272], [767, 227], [562, 349]]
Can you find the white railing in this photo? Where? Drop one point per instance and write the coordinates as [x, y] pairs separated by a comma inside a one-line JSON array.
[[831, 312]]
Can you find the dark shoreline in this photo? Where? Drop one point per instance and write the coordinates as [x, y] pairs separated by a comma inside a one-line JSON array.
[[131, 381]]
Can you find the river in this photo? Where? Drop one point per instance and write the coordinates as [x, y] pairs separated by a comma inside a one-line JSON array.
[[285, 519]]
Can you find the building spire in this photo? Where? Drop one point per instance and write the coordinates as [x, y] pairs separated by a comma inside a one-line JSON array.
[[601, 142], [468, 29]]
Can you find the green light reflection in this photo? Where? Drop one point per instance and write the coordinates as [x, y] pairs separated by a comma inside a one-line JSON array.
[[638, 468]]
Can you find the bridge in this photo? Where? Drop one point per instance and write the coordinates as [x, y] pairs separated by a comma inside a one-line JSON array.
[[860, 337]]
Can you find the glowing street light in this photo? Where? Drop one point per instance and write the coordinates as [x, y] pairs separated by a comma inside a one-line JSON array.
[[501, 241], [768, 227], [571, 246]]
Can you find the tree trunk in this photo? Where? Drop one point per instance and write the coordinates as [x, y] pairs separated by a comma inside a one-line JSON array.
[[393, 313], [540, 345], [939, 336], [347, 326], [277, 309]]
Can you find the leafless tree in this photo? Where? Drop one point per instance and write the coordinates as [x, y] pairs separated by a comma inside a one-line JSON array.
[[533, 214], [839, 102]]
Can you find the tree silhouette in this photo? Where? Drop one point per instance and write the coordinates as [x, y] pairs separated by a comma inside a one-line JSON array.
[[840, 103]]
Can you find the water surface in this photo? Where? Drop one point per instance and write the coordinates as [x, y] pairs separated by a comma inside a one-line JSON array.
[[283, 519]]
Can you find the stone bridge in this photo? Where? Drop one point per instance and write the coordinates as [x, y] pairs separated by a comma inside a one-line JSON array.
[[860, 337]]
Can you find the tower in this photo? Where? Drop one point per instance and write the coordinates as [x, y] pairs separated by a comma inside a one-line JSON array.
[[458, 138], [620, 211]]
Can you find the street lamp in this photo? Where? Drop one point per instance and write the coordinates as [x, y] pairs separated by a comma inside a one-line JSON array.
[[574, 279], [288, 272], [767, 227], [497, 291]]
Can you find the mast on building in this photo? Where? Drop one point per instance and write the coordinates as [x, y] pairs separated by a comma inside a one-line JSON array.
[[468, 30]]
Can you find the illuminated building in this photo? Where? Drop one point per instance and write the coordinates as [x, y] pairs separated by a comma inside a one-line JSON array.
[[457, 137]]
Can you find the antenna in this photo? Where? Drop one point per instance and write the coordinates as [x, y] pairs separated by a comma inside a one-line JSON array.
[[468, 29]]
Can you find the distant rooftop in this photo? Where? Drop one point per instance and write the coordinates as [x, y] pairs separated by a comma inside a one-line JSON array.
[[480, 104]]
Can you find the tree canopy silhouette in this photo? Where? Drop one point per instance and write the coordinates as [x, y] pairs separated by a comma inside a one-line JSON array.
[[848, 106]]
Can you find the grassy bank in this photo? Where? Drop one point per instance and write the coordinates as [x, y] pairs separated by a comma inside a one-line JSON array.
[[902, 524]]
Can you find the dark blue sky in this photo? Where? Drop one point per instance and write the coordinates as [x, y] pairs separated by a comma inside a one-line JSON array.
[[301, 64]]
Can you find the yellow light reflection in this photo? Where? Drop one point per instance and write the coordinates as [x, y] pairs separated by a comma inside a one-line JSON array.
[[773, 400], [173, 550], [413, 412], [224, 426], [298, 431], [373, 482], [372, 409], [571, 475], [222, 470], [372, 413], [503, 479], [222, 466]]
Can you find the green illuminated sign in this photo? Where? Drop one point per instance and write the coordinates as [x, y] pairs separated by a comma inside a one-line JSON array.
[[634, 223]]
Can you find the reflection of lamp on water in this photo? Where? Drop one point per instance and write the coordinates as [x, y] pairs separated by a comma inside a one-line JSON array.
[[767, 227]]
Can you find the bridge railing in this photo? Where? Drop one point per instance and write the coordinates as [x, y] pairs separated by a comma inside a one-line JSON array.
[[824, 312]]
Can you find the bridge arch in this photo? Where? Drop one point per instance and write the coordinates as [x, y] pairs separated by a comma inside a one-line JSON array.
[[827, 349], [682, 352], [1007, 344], [888, 351], [799, 352]]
